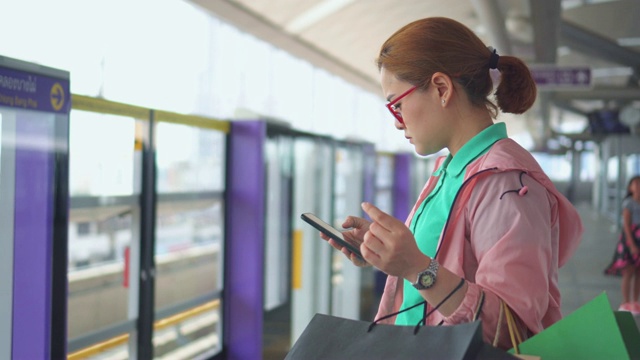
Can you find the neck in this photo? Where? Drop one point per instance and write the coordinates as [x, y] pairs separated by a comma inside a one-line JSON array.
[[468, 124]]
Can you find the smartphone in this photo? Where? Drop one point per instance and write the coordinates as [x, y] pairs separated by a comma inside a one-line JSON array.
[[331, 232]]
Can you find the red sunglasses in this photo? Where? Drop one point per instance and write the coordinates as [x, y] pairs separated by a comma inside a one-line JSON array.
[[392, 107]]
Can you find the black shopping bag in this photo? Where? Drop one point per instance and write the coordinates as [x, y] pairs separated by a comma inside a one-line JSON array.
[[330, 337]]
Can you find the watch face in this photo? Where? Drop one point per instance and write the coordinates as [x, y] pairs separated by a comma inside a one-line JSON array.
[[427, 279]]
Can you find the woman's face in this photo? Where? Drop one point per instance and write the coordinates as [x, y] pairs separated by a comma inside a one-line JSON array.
[[424, 124]]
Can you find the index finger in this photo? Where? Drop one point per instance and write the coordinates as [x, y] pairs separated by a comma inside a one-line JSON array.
[[377, 215]]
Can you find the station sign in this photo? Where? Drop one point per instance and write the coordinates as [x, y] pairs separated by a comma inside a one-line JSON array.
[[551, 77], [30, 91]]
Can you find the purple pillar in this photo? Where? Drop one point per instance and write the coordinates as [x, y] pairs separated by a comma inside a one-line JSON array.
[[243, 299], [33, 223]]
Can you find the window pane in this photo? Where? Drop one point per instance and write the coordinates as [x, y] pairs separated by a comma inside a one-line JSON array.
[[103, 163], [384, 183], [277, 227], [189, 159], [103, 220], [194, 333], [189, 240]]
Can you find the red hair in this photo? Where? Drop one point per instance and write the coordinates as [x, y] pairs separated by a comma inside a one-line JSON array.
[[421, 48]]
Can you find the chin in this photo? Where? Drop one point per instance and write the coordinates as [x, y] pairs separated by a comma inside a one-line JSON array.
[[425, 152]]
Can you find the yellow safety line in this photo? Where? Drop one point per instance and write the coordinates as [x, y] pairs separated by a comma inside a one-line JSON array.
[[87, 103], [193, 120], [296, 277], [160, 324]]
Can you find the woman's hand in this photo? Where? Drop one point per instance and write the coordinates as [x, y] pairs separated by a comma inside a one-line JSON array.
[[358, 227], [390, 246]]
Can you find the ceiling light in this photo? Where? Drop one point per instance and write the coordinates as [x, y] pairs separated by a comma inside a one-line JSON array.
[[563, 51], [632, 41], [612, 71]]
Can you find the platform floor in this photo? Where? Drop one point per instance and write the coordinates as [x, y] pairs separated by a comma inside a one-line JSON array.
[[582, 278]]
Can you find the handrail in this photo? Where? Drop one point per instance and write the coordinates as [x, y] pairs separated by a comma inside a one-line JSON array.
[[97, 105], [103, 106], [158, 325], [193, 120]]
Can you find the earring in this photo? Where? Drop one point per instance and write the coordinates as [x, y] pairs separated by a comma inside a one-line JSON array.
[[443, 101]]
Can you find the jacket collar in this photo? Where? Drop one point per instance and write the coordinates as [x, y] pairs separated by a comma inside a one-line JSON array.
[[454, 165]]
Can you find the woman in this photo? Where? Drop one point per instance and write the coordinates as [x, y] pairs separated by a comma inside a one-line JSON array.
[[489, 226], [626, 258]]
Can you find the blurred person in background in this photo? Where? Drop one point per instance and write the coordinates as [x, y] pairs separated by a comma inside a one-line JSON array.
[[626, 257]]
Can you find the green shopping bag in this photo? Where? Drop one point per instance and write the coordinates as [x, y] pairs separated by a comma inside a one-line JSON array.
[[593, 331]]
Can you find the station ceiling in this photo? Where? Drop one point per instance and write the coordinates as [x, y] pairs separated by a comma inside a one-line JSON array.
[[344, 37]]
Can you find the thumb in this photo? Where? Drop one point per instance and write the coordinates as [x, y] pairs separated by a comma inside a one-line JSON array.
[[354, 222]]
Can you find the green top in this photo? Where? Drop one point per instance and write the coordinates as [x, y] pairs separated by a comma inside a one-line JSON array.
[[429, 219]]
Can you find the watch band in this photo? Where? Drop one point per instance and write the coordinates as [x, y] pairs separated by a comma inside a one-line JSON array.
[[427, 277]]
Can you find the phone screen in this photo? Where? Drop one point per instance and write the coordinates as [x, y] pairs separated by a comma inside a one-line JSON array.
[[330, 231]]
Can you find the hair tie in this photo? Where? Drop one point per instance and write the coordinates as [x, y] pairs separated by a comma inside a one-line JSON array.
[[493, 60]]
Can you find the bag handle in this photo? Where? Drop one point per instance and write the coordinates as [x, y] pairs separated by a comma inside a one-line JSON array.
[[511, 324], [514, 334], [374, 323], [424, 303]]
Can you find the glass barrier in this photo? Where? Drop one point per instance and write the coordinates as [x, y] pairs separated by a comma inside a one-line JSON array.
[[192, 334], [421, 170], [189, 159], [278, 157], [384, 182], [348, 195], [189, 241], [199, 327], [108, 144], [103, 163], [103, 221]]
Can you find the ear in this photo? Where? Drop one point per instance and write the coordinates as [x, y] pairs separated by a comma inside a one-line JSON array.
[[443, 84]]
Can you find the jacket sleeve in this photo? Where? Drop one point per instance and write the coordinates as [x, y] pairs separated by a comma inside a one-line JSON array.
[[513, 238]]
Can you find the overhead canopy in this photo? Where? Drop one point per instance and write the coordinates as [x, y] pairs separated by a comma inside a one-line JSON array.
[[344, 36]]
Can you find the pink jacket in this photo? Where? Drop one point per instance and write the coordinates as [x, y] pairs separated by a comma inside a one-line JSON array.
[[508, 249]]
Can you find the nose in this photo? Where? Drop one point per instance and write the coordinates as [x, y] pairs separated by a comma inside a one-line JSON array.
[[399, 125]]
